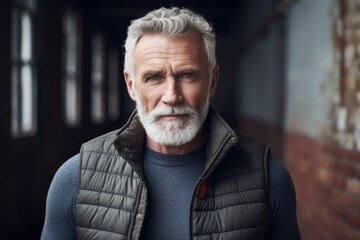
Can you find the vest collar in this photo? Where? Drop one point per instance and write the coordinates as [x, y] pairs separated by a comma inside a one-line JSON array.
[[130, 139]]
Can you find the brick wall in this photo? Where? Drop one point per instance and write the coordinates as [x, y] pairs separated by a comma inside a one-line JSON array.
[[327, 182]]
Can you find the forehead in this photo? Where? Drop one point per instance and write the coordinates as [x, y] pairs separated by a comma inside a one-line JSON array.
[[161, 46]]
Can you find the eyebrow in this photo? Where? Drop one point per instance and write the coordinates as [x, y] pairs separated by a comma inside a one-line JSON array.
[[158, 71], [188, 70], [150, 72]]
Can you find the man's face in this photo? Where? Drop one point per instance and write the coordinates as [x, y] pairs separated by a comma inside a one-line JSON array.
[[173, 86]]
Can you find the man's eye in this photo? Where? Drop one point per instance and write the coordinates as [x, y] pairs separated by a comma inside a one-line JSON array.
[[153, 78], [189, 76]]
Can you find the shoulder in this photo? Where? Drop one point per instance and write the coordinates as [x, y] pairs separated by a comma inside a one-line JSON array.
[[68, 172], [61, 202], [279, 181], [64, 184]]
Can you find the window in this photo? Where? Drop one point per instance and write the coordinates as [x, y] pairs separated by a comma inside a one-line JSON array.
[[71, 69], [23, 75], [113, 84], [97, 79]]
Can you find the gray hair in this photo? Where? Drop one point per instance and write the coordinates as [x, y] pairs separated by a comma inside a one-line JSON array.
[[171, 22]]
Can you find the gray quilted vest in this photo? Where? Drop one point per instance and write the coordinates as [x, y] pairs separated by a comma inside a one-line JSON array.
[[229, 202]]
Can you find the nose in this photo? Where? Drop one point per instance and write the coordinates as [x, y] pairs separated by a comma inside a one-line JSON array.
[[173, 93]]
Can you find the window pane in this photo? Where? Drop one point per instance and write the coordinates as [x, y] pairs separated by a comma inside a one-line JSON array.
[[26, 41], [97, 79], [71, 63], [23, 101], [71, 111], [97, 109], [27, 99], [70, 33]]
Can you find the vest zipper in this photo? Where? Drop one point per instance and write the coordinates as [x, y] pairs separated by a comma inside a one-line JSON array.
[[133, 219], [203, 179]]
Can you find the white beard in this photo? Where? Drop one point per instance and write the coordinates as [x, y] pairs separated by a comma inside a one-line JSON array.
[[172, 132]]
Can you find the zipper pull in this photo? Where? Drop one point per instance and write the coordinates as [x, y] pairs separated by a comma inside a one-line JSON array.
[[202, 191]]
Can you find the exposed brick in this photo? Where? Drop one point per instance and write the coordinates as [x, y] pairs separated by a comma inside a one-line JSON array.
[[353, 186], [327, 184], [352, 155], [342, 153], [348, 232], [326, 220], [325, 160], [345, 167], [326, 202], [346, 199], [352, 217], [325, 175], [356, 169], [310, 230]]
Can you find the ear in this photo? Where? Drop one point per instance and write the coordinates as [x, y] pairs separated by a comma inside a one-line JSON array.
[[214, 80], [129, 83]]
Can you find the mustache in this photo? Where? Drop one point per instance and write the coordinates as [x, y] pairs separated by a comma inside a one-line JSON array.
[[171, 110]]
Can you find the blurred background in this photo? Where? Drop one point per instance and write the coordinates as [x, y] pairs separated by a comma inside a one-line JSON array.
[[289, 76]]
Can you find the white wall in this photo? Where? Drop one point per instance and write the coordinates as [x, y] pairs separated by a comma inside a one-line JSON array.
[[309, 62]]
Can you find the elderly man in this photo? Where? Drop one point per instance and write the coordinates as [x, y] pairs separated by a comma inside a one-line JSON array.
[[176, 170]]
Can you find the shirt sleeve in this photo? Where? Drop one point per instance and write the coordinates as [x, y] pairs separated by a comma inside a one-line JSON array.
[[61, 203], [283, 219]]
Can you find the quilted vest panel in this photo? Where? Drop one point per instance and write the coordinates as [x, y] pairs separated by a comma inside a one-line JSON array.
[[108, 192], [235, 206]]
